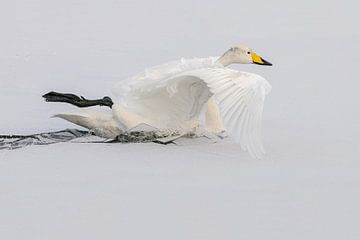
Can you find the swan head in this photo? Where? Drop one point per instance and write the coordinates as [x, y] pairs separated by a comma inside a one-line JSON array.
[[243, 55]]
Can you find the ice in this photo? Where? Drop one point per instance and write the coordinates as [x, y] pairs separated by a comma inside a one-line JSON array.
[[307, 187]]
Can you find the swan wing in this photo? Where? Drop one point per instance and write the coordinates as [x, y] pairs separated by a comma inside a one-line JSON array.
[[165, 96], [175, 103], [154, 77], [240, 97]]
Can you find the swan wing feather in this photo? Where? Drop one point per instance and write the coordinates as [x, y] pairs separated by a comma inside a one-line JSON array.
[[240, 97]]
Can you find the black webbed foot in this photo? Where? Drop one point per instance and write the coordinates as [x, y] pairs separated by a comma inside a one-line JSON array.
[[76, 100]]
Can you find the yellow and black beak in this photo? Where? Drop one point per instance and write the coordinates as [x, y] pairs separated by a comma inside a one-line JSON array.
[[259, 60]]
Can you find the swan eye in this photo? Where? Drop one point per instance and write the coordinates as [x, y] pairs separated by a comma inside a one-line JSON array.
[[248, 52]]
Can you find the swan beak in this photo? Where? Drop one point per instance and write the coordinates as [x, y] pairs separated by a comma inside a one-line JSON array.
[[259, 60]]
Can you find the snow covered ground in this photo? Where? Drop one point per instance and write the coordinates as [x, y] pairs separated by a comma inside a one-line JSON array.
[[308, 186]]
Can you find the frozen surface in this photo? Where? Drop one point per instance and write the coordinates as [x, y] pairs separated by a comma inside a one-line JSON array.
[[306, 188]]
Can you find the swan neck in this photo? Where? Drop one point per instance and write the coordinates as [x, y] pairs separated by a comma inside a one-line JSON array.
[[225, 60]]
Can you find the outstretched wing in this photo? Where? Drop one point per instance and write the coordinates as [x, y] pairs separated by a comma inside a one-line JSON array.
[[240, 97], [165, 97], [172, 104]]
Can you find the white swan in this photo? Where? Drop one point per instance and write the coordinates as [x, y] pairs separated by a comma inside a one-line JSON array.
[[182, 95]]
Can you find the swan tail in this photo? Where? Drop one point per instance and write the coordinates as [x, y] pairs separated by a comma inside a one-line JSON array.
[[76, 100], [102, 126], [83, 121]]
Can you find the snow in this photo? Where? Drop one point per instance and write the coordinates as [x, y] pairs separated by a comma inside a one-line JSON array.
[[306, 188], [139, 191]]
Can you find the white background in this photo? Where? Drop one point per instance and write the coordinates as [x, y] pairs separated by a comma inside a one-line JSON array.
[[306, 188]]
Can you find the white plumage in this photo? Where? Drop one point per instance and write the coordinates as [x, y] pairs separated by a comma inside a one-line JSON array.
[[188, 94]]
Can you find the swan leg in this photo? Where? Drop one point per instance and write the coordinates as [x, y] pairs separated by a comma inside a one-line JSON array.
[[213, 121], [76, 100]]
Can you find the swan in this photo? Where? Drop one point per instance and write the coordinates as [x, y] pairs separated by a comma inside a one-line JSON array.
[[181, 96]]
